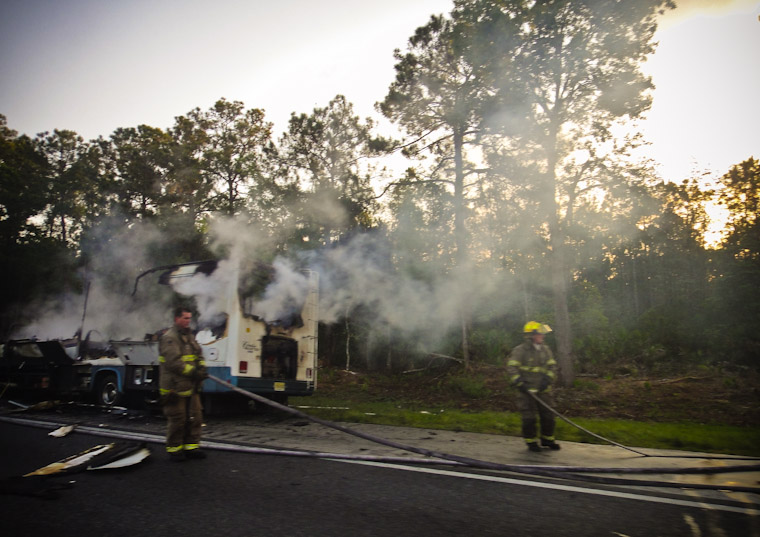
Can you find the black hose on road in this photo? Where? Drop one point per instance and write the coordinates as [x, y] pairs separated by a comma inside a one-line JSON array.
[[555, 472], [559, 472]]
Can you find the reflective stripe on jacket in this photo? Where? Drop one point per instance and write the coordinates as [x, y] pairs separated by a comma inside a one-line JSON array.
[[531, 362], [180, 356]]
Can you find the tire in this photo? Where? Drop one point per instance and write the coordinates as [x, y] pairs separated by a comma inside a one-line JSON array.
[[107, 390]]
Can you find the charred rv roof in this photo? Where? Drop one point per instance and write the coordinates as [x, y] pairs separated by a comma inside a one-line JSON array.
[[251, 284], [179, 270]]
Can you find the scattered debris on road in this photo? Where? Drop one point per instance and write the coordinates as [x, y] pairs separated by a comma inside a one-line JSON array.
[[103, 456]]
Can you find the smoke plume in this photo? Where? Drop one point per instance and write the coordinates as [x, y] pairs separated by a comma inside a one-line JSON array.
[[355, 275]]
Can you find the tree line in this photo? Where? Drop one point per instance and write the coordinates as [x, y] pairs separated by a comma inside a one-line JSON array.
[[518, 186]]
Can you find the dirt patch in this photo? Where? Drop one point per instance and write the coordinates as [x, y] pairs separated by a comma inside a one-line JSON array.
[[701, 397]]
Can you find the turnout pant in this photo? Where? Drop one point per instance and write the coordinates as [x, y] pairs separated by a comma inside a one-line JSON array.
[[528, 408], [184, 421]]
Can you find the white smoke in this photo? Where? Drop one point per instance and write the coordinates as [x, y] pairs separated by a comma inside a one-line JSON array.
[[239, 240], [59, 319], [209, 291], [117, 256], [286, 295], [357, 274]]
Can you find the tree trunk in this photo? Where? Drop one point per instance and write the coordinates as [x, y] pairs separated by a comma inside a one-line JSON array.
[[348, 343], [527, 312], [460, 234], [368, 349], [562, 330], [465, 338], [559, 273], [388, 360], [63, 229]]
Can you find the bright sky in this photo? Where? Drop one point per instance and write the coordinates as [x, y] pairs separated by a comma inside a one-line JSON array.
[[92, 66]]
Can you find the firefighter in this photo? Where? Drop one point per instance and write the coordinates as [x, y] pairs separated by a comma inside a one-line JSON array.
[[182, 372], [531, 368]]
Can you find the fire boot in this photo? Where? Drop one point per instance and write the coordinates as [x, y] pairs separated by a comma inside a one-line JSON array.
[[533, 446], [551, 444]]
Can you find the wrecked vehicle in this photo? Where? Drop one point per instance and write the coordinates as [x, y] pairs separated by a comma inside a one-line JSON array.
[[61, 368], [275, 359]]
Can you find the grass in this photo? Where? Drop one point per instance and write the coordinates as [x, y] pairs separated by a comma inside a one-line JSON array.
[[724, 439]]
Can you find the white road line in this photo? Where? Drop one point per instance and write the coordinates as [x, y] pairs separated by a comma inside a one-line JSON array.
[[148, 437], [566, 488]]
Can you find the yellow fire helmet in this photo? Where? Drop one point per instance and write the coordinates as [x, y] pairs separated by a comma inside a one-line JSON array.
[[534, 327]]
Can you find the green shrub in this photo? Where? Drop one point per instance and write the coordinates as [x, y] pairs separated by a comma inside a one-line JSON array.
[[490, 345], [586, 385], [471, 387]]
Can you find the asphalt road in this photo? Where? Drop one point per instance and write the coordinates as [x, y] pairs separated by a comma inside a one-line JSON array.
[[240, 494]]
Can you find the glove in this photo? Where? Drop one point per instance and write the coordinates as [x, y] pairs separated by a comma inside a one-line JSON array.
[[168, 398], [520, 385], [200, 374], [544, 384]]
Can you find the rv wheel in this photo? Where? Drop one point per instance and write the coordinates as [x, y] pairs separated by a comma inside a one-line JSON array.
[[107, 390]]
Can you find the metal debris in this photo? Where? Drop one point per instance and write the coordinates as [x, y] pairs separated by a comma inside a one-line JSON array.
[[73, 463], [134, 457], [100, 457], [60, 432]]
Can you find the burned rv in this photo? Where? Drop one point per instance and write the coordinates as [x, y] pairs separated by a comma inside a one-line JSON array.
[[275, 358], [105, 372]]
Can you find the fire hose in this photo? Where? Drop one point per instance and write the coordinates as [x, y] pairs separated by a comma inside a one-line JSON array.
[[544, 471], [563, 418], [558, 472], [567, 420]]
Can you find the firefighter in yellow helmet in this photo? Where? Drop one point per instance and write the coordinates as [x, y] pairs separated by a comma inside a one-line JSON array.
[[531, 368], [182, 371]]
